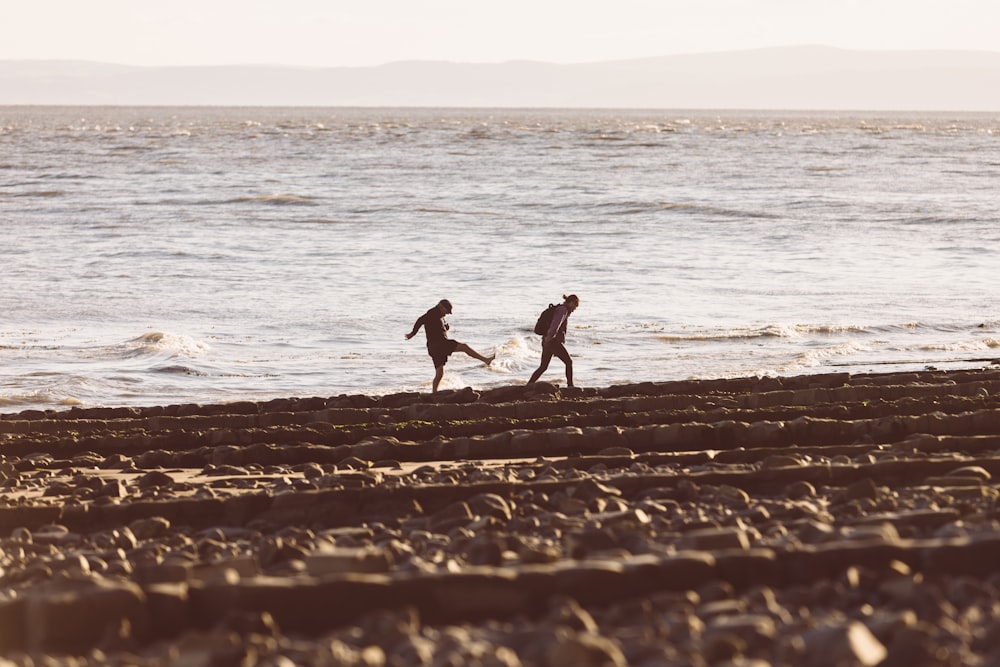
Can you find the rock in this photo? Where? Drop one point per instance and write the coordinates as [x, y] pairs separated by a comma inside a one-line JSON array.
[[781, 461], [616, 451], [584, 649], [974, 472], [50, 534], [721, 648], [912, 647], [12, 625], [209, 648], [22, 534], [880, 532], [167, 606], [713, 539], [490, 504], [590, 489], [732, 496], [849, 644], [227, 569], [327, 561], [622, 518], [114, 488], [533, 554], [566, 611], [173, 570], [799, 490], [814, 532], [76, 618], [154, 479], [756, 631], [455, 514], [75, 566], [484, 550], [149, 528], [580, 544], [862, 489]]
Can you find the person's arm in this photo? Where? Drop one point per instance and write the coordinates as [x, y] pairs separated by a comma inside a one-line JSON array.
[[416, 327]]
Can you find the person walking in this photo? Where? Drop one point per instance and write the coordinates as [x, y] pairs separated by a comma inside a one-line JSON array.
[[554, 339], [439, 346]]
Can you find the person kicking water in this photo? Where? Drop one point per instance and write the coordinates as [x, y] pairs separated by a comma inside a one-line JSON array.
[[439, 346]]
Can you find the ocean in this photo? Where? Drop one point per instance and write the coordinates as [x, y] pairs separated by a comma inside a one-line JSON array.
[[157, 256]]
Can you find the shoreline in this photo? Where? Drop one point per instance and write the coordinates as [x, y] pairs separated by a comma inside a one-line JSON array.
[[783, 520]]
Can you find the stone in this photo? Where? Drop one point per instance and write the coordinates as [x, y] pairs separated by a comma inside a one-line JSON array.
[[775, 461], [582, 543], [327, 561], [566, 611], [21, 534], [154, 479], [714, 539], [76, 618], [173, 570], [877, 532], [114, 488], [490, 504], [912, 647], [50, 534], [799, 490], [455, 514], [810, 531], [862, 489], [850, 643], [242, 566], [167, 606], [974, 472], [12, 625], [471, 593], [732, 496], [485, 550], [149, 528], [585, 650]]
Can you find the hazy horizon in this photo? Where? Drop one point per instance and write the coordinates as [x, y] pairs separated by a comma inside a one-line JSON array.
[[513, 61], [791, 78]]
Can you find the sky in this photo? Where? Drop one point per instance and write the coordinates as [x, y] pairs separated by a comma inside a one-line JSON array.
[[336, 33]]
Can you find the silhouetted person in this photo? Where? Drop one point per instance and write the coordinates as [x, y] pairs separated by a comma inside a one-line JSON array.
[[439, 346], [554, 340]]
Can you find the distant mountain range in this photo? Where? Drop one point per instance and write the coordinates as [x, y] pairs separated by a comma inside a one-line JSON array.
[[808, 77]]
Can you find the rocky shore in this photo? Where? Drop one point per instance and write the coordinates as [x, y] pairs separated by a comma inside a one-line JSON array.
[[810, 521]]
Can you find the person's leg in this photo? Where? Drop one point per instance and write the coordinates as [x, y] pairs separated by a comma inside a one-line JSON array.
[[546, 358], [560, 351], [439, 355], [462, 347]]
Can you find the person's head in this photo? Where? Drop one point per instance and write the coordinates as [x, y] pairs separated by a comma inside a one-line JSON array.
[[445, 306], [572, 302]]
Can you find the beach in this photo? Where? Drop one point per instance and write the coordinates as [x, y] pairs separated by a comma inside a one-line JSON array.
[[825, 519]]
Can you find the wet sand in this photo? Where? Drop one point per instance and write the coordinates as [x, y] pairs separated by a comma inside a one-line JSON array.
[[815, 520]]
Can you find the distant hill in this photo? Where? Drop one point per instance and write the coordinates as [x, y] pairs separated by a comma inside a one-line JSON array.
[[775, 78]]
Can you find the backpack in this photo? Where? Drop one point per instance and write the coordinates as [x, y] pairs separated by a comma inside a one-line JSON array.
[[545, 320]]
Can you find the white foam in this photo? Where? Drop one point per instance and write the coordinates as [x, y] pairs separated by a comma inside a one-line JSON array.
[[817, 357], [158, 343], [513, 356], [962, 346]]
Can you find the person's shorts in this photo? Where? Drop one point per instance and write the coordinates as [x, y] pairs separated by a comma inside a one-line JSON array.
[[441, 351]]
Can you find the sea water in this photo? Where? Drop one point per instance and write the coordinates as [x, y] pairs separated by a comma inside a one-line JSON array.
[[174, 255]]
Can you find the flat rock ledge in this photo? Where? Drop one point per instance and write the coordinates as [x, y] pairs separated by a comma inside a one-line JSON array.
[[809, 521]]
